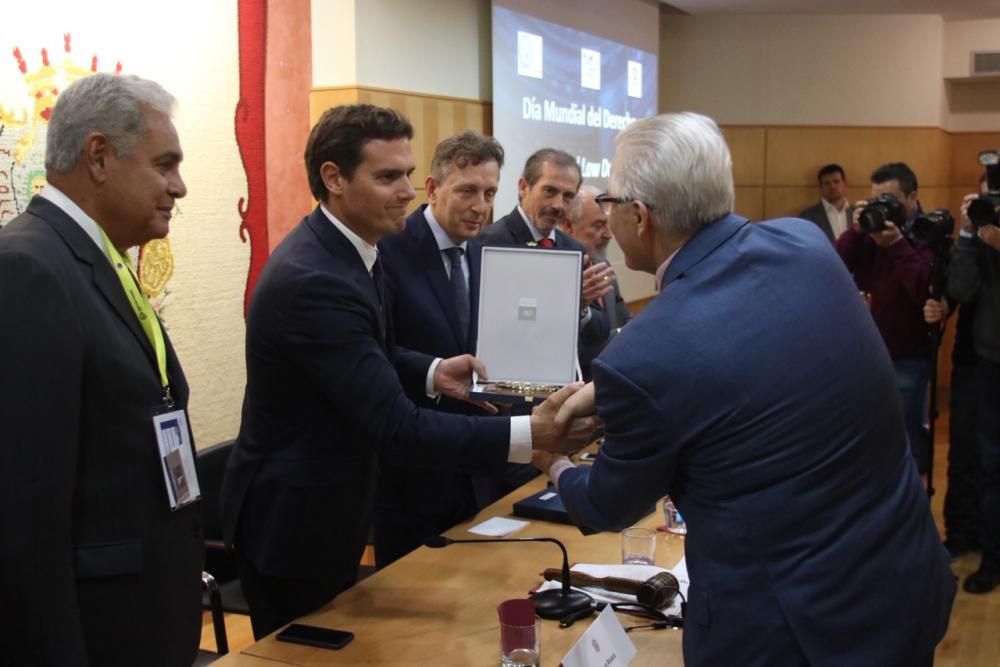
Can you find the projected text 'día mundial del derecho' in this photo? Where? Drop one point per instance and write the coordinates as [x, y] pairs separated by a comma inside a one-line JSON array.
[[584, 115]]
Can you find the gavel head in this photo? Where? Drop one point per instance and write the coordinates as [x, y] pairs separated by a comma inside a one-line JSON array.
[[657, 591]]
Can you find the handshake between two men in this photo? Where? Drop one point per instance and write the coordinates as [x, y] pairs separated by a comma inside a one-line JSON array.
[[564, 423]]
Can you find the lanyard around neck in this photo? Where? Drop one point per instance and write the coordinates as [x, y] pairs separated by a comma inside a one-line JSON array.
[[143, 310]]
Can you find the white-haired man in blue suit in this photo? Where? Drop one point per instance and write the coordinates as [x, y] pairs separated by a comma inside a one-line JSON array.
[[756, 390]]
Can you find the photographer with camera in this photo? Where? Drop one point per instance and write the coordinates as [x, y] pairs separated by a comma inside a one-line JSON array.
[[961, 499], [893, 272], [975, 276]]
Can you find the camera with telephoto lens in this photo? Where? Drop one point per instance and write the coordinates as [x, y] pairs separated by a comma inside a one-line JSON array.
[[986, 209], [932, 229], [878, 211]]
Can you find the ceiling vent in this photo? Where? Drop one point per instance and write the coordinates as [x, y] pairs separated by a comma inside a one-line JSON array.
[[985, 63]]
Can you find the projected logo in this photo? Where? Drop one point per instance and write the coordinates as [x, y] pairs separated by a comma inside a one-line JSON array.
[[590, 69], [634, 79], [529, 54]]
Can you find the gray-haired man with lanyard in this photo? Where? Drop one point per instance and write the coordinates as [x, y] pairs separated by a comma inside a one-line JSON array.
[[100, 559]]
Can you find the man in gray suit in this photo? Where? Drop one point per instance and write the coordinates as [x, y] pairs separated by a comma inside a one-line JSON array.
[[832, 214], [587, 224]]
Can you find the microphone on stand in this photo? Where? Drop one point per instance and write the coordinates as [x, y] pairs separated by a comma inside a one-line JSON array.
[[552, 604]]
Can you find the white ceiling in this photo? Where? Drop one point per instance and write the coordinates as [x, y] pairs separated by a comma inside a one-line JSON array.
[[949, 9]]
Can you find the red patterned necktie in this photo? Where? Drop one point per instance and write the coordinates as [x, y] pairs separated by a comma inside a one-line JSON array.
[[546, 243]]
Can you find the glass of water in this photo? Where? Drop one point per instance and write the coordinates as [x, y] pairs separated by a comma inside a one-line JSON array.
[[639, 546], [521, 645]]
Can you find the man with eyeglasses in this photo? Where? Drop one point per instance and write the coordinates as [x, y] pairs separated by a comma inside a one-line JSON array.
[[587, 222], [752, 389]]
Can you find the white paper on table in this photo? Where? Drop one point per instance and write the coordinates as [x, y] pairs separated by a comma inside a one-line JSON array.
[[498, 526], [634, 572], [604, 643]]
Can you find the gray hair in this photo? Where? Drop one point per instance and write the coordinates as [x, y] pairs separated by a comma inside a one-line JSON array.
[[576, 207], [111, 104], [680, 166]]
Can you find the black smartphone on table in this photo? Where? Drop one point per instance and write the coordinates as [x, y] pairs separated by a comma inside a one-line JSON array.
[[311, 635]]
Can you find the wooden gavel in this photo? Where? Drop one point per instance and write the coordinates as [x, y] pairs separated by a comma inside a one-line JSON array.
[[656, 592]]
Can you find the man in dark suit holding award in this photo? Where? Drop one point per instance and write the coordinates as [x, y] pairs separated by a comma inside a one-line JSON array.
[[587, 224], [100, 559], [432, 272], [326, 384], [545, 193], [807, 523]]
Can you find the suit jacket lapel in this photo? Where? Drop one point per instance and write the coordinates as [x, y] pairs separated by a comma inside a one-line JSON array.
[[432, 266], [829, 223], [340, 246], [90, 256], [701, 245], [519, 228]]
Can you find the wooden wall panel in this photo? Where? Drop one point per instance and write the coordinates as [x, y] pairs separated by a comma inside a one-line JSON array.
[[932, 198], [795, 154], [750, 202], [785, 200], [747, 145], [965, 148], [789, 200], [321, 99]]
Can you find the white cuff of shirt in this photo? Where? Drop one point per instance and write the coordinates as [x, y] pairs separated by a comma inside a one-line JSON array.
[[429, 382], [585, 318], [520, 440], [558, 468]]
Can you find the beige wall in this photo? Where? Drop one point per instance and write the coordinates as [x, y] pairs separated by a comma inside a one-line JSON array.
[[973, 105], [963, 37], [809, 70], [334, 42], [829, 70], [439, 47]]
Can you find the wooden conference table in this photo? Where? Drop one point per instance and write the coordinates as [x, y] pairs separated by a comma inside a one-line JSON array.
[[438, 606]]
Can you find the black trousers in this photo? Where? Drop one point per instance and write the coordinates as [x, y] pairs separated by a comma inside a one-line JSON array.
[[276, 601], [988, 374], [961, 500]]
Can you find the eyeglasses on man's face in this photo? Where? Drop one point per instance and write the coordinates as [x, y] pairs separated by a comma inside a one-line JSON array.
[[605, 202]]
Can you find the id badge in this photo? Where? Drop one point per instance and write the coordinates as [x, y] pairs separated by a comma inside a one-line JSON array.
[[179, 474]]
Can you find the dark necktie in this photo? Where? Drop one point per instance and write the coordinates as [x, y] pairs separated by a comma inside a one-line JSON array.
[[546, 243], [459, 290], [377, 279]]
